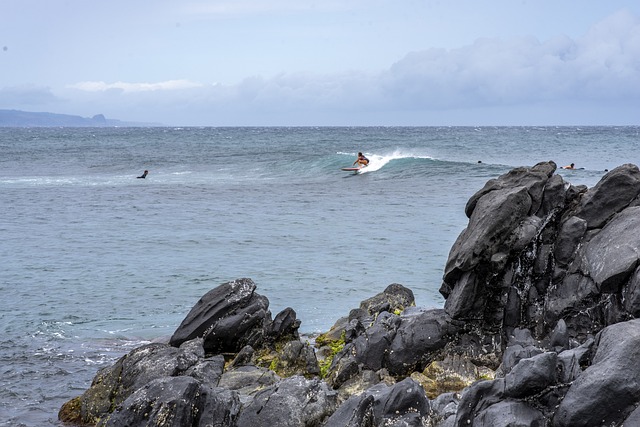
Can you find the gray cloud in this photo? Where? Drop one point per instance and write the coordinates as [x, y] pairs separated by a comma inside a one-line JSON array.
[[27, 96], [601, 68]]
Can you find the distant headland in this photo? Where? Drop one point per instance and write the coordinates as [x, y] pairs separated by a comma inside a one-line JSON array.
[[16, 118]]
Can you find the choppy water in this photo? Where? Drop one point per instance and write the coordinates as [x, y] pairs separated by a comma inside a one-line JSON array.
[[96, 262]]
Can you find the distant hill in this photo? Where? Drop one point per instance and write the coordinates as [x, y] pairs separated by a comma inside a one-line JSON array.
[[16, 118]]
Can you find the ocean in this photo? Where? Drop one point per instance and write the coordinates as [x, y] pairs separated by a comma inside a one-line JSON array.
[[96, 262]]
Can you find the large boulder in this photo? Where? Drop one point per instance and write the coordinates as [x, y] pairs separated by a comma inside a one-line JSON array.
[[401, 404], [612, 255], [176, 401], [227, 318], [114, 384], [609, 389], [292, 402], [612, 194]]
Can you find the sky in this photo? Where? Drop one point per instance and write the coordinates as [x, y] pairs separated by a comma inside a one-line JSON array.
[[325, 63]]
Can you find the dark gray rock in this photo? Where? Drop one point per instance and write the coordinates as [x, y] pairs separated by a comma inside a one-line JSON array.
[[227, 317], [478, 397], [633, 419], [559, 337], [495, 216], [608, 390], [444, 406], [631, 295], [509, 413], [520, 345], [570, 362], [533, 179], [208, 371], [554, 196], [615, 191], [401, 404], [357, 411], [293, 402], [372, 346], [531, 376], [221, 408], [168, 401], [569, 237], [248, 380], [576, 290], [612, 255], [243, 357], [394, 299], [343, 366], [297, 358], [285, 325], [420, 333]]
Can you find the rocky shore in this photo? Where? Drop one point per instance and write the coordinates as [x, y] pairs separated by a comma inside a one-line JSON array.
[[539, 329]]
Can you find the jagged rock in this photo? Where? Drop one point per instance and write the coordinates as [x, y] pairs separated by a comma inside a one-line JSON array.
[[208, 371], [361, 382], [496, 215], [404, 403], [569, 237], [520, 345], [394, 299], [284, 326], [612, 255], [444, 407], [355, 412], [176, 401], [243, 358], [453, 374], [420, 334], [570, 362], [633, 419], [509, 413], [114, 384], [609, 389], [615, 191], [293, 401], [559, 336], [531, 376], [532, 179], [248, 380], [295, 358], [631, 294], [227, 318], [372, 346]]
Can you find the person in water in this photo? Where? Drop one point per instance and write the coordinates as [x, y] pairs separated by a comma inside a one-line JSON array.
[[362, 161], [144, 174], [571, 166]]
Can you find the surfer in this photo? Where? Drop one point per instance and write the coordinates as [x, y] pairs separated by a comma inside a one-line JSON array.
[[362, 161], [571, 166], [144, 174]]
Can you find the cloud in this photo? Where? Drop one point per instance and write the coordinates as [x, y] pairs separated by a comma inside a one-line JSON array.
[[600, 69], [26, 96], [604, 64], [170, 85], [244, 7]]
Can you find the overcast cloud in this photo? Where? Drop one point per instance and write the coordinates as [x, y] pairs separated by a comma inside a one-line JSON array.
[[311, 70]]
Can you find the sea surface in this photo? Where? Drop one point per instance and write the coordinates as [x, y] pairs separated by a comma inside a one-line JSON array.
[[95, 262]]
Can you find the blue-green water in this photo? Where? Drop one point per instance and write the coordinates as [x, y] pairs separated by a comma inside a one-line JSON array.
[[96, 262]]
